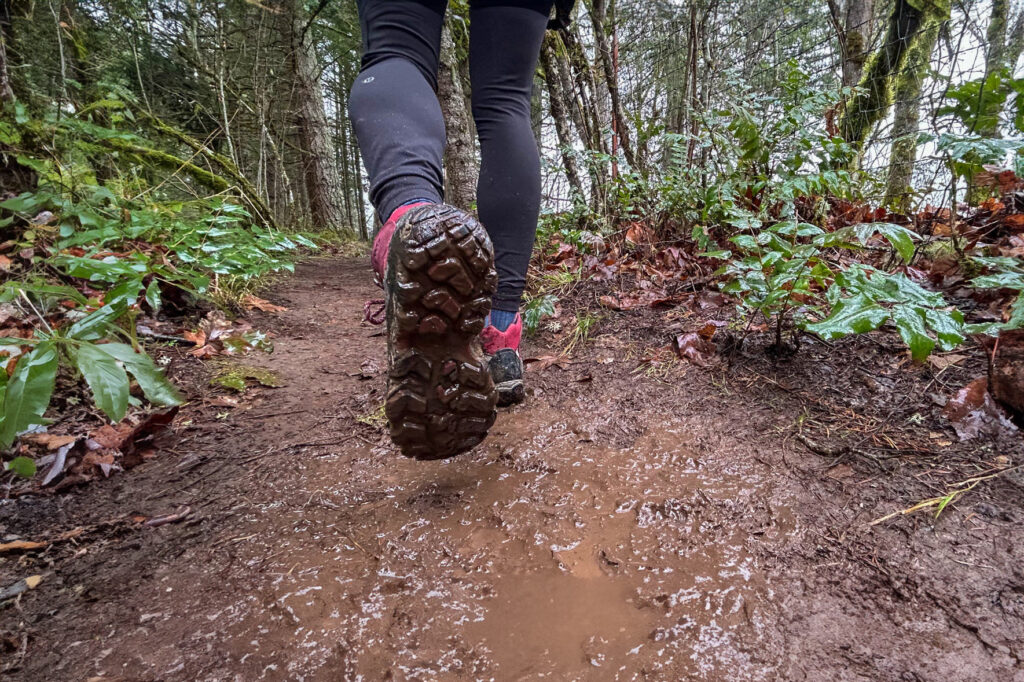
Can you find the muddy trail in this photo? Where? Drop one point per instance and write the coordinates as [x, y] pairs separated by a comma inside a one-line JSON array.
[[620, 525]]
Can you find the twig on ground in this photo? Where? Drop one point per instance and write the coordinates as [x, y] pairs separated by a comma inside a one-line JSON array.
[[940, 503]]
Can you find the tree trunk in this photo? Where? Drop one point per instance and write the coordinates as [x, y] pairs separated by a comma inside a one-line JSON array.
[[556, 99], [906, 118], [1003, 50], [322, 185], [995, 37], [599, 18], [460, 162], [870, 105], [6, 91], [856, 39], [580, 94]]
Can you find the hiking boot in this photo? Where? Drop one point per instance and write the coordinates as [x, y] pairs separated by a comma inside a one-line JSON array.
[[439, 278], [503, 361]]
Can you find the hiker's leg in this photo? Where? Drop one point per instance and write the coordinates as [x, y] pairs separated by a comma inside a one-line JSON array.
[[504, 45], [393, 105]]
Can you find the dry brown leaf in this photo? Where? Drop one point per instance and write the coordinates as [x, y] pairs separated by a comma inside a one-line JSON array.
[[974, 413], [250, 302], [709, 328], [941, 362], [541, 363], [693, 348], [50, 441], [112, 436], [1015, 222], [197, 337]]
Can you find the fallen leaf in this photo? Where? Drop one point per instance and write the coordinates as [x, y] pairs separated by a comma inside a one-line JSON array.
[[941, 362], [110, 436], [638, 234], [973, 412], [369, 369], [709, 328], [197, 337], [23, 585], [541, 363], [57, 468], [104, 461], [50, 441], [693, 348], [249, 302], [1015, 222]]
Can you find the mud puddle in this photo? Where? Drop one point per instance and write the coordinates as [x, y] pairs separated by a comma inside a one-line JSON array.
[[540, 556]]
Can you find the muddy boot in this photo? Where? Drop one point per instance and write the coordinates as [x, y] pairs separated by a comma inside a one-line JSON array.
[[439, 278], [503, 361]]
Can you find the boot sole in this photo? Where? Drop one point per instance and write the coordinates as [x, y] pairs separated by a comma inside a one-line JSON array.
[[511, 392], [441, 398]]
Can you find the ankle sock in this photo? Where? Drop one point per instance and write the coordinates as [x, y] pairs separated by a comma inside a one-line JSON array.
[[502, 319]]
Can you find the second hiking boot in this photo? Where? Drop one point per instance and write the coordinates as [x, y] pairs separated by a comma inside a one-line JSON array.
[[439, 280], [503, 361]]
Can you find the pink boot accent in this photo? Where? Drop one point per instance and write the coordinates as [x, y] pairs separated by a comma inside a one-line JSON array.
[[494, 340], [382, 242]]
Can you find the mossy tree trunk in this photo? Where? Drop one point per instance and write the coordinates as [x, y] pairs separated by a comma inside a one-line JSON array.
[[868, 107], [903, 152], [871, 104], [1003, 49]]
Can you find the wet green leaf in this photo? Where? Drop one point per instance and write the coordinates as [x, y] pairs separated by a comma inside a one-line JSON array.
[[22, 466], [154, 384], [106, 379], [910, 324], [855, 315], [28, 391]]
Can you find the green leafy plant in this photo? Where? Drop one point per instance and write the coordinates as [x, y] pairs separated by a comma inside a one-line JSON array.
[[86, 348], [126, 245], [785, 275], [1005, 273], [863, 298], [536, 310]]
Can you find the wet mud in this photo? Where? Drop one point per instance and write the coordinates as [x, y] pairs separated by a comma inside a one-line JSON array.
[[615, 527]]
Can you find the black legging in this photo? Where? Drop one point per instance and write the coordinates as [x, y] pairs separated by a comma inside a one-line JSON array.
[[401, 130]]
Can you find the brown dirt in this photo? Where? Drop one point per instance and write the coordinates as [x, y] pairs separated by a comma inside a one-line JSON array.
[[663, 524]]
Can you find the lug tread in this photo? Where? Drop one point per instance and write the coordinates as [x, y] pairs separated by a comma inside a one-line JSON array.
[[441, 398]]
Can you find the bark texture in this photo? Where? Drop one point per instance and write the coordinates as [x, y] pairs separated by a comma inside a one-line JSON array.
[[856, 40], [906, 118], [870, 105], [460, 160], [323, 189], [602, 15], [559, 105]]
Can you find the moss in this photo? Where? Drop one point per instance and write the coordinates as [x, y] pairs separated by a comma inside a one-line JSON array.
[[169, 161], [903, 153], [878, 84], [237, 377]]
